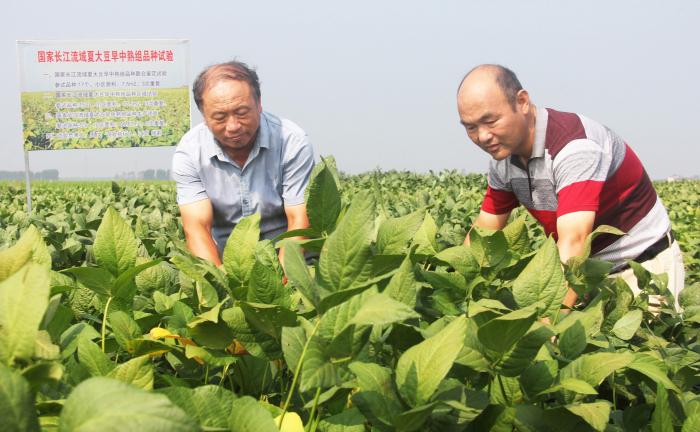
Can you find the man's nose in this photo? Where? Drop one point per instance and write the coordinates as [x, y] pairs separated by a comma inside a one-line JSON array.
[[484, 135], [232, 124]]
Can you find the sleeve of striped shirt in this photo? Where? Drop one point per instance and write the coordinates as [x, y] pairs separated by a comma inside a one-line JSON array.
[[580, 170], [499, 198]]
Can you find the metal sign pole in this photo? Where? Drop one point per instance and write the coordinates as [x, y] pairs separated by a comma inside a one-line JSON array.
[[28, 182]]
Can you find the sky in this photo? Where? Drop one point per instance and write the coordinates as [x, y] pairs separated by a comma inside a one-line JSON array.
[[373, 83]]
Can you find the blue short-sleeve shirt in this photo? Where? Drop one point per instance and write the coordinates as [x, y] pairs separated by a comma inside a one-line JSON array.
[[274, 176]]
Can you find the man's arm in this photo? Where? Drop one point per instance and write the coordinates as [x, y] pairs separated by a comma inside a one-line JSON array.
[[296, 219], [573, 229], [197, 219], [488, 221]]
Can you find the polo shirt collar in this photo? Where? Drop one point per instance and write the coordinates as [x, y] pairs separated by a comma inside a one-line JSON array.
[[540, 136], [262, 140]]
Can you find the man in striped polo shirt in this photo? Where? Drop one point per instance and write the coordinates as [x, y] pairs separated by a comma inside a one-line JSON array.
[[571, 173]]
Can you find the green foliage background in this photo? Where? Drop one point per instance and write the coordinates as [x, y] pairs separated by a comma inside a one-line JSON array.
[[108, 323]]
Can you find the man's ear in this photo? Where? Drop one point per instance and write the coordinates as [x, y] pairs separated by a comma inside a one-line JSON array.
[[522, 101], [260, 106]]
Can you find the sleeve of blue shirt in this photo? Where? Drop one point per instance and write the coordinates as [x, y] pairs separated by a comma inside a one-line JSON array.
[[298, 164], [189, 186]]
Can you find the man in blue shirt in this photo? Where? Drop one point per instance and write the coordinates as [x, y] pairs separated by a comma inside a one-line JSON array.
[[239, 161]]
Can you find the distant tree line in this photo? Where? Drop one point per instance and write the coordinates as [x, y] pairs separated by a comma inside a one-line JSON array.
[[149, 174], [48, 174]]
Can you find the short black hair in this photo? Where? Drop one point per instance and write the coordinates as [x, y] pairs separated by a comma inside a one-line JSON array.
[[505, 78], [232, 70]]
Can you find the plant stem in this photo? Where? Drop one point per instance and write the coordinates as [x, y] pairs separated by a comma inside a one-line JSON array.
[[104, 322], [297, 371], [313, 408], [206, 375]]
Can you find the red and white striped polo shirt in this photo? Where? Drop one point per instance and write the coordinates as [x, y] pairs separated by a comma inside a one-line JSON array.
[[578, 164]]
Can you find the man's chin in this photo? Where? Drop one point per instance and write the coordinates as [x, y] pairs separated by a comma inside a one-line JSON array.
[[500, 155]]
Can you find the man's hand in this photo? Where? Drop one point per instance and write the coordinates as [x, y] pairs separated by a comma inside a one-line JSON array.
[[573, 229], [296, 219], [488, 221], [197, 219]]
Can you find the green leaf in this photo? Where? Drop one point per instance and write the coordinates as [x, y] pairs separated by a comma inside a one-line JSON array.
[[256, 343], [489, 248], [212, 335], [593, 368], [44, 348], [505, 391], [318, 369], [542, 280], [212, 357], [239, 253], [349, 420], [115, 244], [500, 334], [293, 340], [572, 384], [29, 247], [16, 403], [596, 414], [414, 419], [107, 405], [472, 353], [124, 328], [380, 309], [96, 279], [269, 319], [461, 259], [627, 326], [24, 297], [662, 419], [138, 372], [425, 237], [573, 340], [538, 377], [212, 315], [394, 234], [43, 373], [653, 368], [266, 278], [71, 337], [422, 367], [92, 357], [206, 293], [403, 285], [376, 396], [247, 415], [516, 360], [345, 259], [298, 273], [209, 404], [691, 424], [125, 285], [323, 203], [516, 235], [495, 418]]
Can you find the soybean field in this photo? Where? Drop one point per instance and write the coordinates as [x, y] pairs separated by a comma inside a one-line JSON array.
[[108, 323]]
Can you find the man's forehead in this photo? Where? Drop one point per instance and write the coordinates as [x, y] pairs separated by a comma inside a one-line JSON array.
[[227, 90]]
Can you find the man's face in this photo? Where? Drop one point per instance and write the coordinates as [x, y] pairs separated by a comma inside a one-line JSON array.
[[491, 121], [232, 113]]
